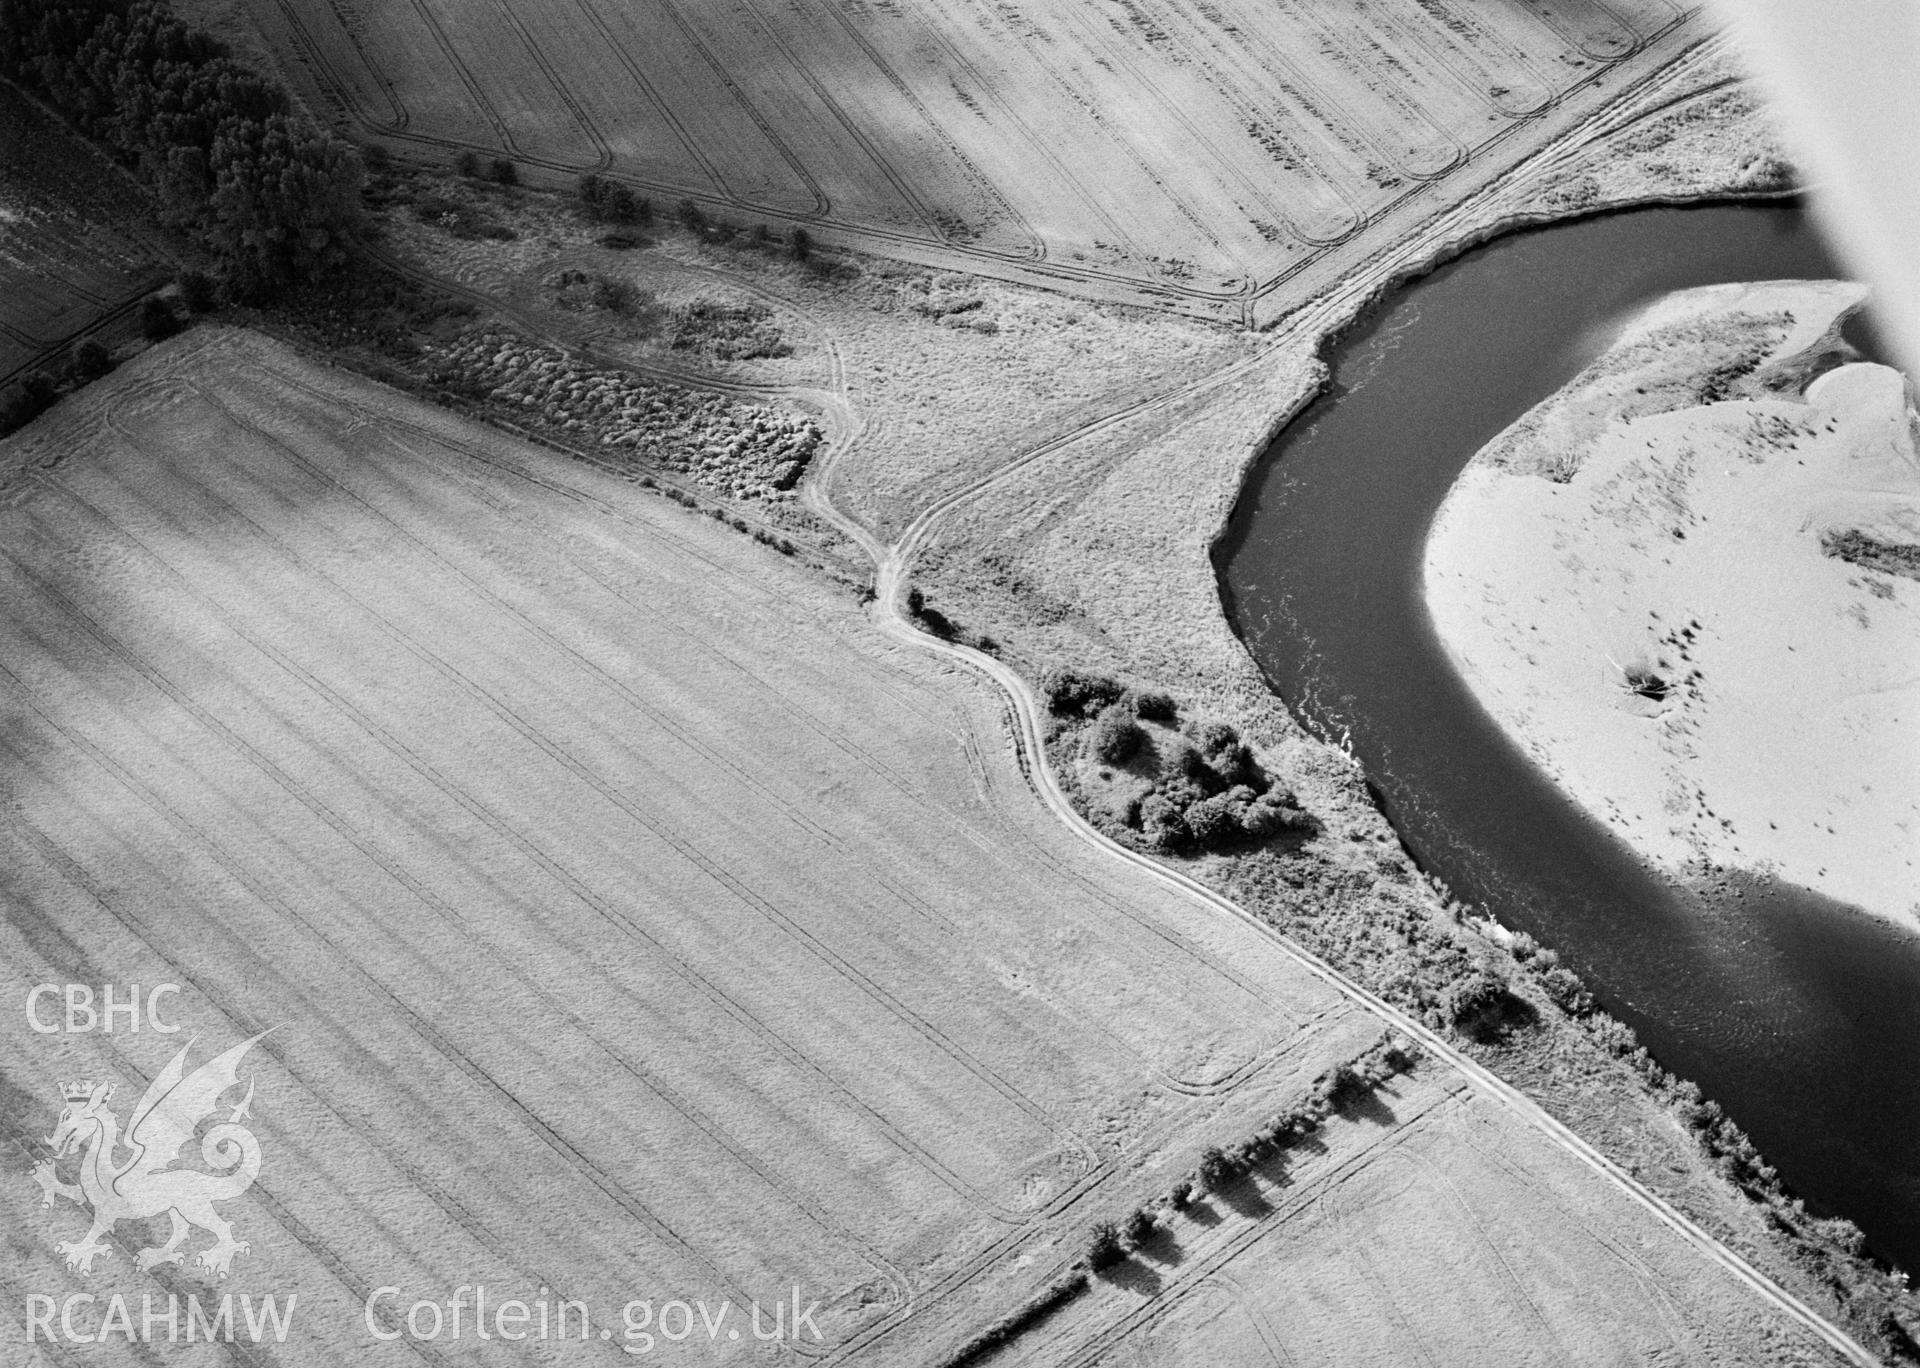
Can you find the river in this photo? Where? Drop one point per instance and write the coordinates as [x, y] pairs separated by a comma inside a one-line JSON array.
[[1801, 1019]]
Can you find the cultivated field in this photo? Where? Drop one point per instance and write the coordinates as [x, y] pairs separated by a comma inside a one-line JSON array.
[[1193, 154], [638, 922], [67, 259]]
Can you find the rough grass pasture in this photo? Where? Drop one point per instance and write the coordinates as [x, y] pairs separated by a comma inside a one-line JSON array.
[[638, 922], [1187, 153]]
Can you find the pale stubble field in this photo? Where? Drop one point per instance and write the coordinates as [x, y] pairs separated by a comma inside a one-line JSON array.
[[1188, 154], [638, 921]]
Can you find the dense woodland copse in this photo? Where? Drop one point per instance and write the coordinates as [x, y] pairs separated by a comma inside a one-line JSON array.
[[230, 159]]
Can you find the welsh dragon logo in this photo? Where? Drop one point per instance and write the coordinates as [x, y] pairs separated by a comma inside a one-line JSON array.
[[144, 1183]]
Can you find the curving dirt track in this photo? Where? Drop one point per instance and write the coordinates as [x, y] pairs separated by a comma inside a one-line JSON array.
[[640, 922]]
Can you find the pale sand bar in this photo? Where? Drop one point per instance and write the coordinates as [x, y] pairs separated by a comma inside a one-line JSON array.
[[1660, 522]]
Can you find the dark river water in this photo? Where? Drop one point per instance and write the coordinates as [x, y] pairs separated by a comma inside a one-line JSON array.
[[1801, 1018]]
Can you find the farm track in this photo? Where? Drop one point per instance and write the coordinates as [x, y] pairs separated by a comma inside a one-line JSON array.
[[1021, 711], [893, 619], [1168, 282], [821, 205], [1319, 318], [213, 488], [530, 732], [1190, 1087], [587, 10], [612, 1059], [1170, 110]]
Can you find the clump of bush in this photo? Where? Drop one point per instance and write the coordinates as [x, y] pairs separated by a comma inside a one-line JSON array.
[[1208, 790], [197, 291], [581, 292], [728, 332], [91, 360], [460, 219], [1116, 738], [1140, 1228], [1216, 1171], [601, 200], [29, 397], [1210, 793], [1071, 693], [157, 319], [1483, 1007], [1857, 547], [1153, 706], [1104, 1248]]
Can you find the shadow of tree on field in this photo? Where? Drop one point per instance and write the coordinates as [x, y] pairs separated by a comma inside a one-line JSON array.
[[1370, 1106], [1134, 1276], [1163, 1248], [1244, 1196]]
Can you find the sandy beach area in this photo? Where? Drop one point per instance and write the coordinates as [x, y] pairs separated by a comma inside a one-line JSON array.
[[1688, 585]]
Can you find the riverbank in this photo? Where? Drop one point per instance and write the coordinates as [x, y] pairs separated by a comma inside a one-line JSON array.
[[1666, 583], [1099, 551]]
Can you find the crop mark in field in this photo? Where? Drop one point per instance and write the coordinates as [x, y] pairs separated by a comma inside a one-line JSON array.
[[603, 154], [589, 10], [1285, 1202], [1171, 111], [1337, 124], [1514, 94], [671, 10], [928, 216], [1116, 232], [475, 1068], [1192, 960], [714, 870], [315, 56], [1650, 1281], [613, 1061], [262, 1192], [1607, 41], [423, 1027], [479, 97], [982, 183], [1281, 143], [1419, 157], [204, 842], [586, 895]]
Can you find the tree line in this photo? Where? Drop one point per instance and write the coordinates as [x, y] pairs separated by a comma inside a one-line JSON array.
[[228, 157]]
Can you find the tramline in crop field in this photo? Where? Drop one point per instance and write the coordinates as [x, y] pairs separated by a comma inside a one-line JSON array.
[[636, 922], [1185, 153]]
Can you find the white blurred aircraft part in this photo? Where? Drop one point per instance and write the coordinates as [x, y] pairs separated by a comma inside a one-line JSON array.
[[1843, 77]]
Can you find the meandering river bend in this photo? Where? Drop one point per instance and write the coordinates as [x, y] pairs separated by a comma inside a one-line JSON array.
[[1802, 1019]]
